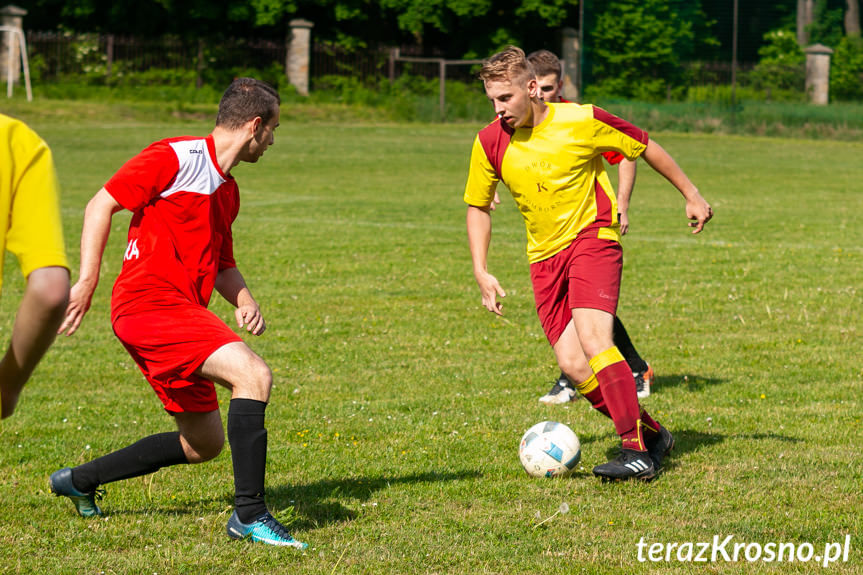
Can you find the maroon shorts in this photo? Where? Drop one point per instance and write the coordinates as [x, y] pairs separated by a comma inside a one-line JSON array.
[[169, 345], [586, 274]]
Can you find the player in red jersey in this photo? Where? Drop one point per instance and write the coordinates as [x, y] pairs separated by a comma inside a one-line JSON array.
[[180, 248], [549, 80]]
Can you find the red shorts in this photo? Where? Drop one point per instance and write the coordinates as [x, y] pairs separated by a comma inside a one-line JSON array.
[[586, 274], [169, 345]]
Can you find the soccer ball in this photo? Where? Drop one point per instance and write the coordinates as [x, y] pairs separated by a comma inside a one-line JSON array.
[[549, 449]]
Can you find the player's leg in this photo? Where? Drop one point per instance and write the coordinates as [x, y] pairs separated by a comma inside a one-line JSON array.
[[594, 329], [573, 363], [549, 289], [249, 378], [594, 272], [642, 372], [81, 484], [39, 315], [167, 352]]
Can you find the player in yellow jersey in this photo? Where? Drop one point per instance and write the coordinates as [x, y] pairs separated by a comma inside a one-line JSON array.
[[549, 80], [31, 229], [549, 156]]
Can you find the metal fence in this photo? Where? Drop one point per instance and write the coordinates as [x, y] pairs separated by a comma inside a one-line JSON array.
[[54, 55]]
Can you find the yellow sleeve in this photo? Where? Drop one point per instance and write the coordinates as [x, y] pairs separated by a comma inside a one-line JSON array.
[[35, 233], [481, 180], [615, 134]]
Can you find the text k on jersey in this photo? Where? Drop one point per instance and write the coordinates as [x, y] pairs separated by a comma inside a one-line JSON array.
[[555, 173]]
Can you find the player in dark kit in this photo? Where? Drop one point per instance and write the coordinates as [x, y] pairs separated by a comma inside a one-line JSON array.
[[180, 247]]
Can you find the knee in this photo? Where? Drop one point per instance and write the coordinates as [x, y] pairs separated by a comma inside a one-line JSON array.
[[576, 369], [50, 288], [258, 380], [203, 450]]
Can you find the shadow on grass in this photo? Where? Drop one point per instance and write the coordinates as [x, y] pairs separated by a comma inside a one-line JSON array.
[[687, 381], [313, 500], [692, 440]]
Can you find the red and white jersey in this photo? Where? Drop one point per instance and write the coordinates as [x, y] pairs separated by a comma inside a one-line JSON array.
[[180, 234]]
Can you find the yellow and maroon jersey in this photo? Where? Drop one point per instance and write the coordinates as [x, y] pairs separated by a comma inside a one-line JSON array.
[[610, 156], [555, 173]]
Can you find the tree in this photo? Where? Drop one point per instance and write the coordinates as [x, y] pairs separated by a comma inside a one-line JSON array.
[[639, 46], [852, 19], [805, 17]]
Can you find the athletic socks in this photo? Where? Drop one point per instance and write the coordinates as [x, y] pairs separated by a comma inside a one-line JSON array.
[[624, 344], [618, 390], [145, 456], [590, 391], [651, 426], [248, 439]]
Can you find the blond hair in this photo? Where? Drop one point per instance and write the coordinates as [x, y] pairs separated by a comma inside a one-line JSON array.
[[545, 63], [509, 65]]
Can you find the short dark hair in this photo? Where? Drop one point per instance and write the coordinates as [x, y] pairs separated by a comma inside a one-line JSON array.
[[545, 63], [246, 99]]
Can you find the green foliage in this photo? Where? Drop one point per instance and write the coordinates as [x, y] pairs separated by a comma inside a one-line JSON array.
[[846, 70], [782, 64], [721, 94], [553, 12], [828, 24], [274, 74], [408, 99], [639, 45], [415, 16]]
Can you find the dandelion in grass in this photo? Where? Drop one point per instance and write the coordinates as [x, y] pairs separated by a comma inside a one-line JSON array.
[[562, 510]]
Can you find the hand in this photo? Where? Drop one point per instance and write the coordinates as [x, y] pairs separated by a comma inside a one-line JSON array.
[[624, 223], [249, 315], [80, 297], [493, 205], [699, 210], [490, 289]]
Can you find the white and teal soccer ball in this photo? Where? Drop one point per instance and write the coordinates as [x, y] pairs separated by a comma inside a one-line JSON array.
[[549, 449]]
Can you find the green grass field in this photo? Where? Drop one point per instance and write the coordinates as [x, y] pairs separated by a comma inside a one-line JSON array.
[[399, 401]]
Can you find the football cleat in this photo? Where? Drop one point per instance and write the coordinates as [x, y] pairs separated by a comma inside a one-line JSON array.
[[643, 381], [630, 464], [659, 447], [265, 529], [85, 503], [561, 392]]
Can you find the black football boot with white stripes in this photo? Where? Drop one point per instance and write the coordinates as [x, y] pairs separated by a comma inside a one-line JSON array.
[[630, 464]]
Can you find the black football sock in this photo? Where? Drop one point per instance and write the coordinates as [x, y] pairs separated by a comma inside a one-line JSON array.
[[624, 344], [248, 439], [145, 456]]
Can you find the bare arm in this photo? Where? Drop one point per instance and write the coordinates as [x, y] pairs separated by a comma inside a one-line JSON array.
[[479, 239], [39, 315], [94, 236], [626, 171], [232, 286], [697, 208]]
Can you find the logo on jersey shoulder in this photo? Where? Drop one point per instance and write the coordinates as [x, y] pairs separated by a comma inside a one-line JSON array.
[[195, 151], [132, 251]]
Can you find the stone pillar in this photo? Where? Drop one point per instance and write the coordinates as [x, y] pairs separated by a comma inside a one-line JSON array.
[[11, 16], [299, 50], [818, 74], [570, 58]]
